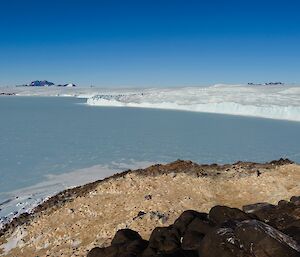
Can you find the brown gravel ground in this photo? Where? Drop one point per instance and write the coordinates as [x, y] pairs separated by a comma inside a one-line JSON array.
[[76, 220]]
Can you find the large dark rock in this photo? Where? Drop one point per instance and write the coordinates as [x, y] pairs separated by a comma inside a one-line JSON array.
[[149, 252], [177, 253], [252, 208], [128, 249], [221, 242], [96, 252], [192, 240], [220, 214], [124, 236], [126, 243], [110, 251], [295, 200], [186, 218], [195, 232], [281, 216], [293, 231], [165, 240], [262, 240], [248, 238], [136, 247]]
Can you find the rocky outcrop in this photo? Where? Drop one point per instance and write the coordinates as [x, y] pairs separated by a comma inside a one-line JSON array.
[[261, 230], [77, 220]]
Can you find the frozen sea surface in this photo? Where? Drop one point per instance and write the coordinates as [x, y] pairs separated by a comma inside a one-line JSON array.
[[50, 143]]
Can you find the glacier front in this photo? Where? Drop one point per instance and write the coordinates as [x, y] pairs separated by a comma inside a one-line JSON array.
[[275, 102], [268, 101]]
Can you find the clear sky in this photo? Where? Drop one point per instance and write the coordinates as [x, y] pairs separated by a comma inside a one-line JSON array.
[[149, 43]]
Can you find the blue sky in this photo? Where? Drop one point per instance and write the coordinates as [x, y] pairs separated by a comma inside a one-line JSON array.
[[149, 43]]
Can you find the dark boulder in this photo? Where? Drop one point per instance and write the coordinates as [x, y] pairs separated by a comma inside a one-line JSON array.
[[262, 240], [125, 236], [221, 242], [178, 253], [110, 251], [282, 203], [220, 214], [248, 238], [192, 240], [252, 208], [128, 249], [195, 232], [293, 232], [279, 217], [295, 200], [136, 247], [96, 252], [149, 252], [165, 240], [182, 222]]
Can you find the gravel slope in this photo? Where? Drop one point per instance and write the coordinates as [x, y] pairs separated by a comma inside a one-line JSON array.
[[76, 220]]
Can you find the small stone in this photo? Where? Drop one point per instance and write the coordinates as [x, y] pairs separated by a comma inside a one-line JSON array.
[[148, 197]]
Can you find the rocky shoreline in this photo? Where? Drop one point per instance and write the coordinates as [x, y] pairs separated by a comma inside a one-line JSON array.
[[74, 221]]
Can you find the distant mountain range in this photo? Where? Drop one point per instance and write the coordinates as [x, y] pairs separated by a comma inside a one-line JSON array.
[[45, 83]]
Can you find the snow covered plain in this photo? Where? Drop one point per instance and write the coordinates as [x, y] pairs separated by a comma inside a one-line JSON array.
[[275, 102]]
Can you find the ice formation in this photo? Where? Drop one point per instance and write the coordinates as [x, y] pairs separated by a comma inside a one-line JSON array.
[[267, 101], [275, 102]]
